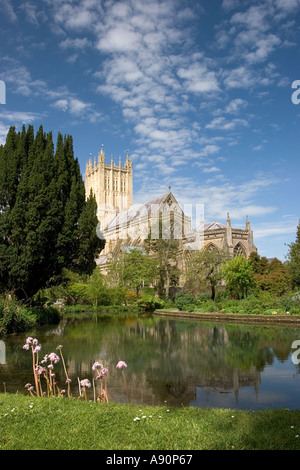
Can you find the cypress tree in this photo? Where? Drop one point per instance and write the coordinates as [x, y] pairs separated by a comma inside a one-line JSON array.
[[45, 222]]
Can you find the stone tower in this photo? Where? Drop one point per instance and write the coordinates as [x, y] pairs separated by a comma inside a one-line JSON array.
[[111, 185]]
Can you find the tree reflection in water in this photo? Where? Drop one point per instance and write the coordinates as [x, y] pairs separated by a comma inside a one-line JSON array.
[[180, 362]]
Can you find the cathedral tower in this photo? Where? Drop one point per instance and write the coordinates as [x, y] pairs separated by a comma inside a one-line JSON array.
[[111, 185]]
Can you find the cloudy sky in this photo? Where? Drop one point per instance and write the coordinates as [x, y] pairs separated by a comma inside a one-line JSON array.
[[199, 93]]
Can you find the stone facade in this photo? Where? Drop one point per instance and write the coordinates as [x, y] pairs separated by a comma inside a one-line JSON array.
[[111, 185], [124, 225]]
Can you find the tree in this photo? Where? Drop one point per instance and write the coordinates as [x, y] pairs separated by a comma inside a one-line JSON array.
[[203, 271], [270, 275], [134, 269], [238, 275], [293, 259], [45, 222], [165, 252]]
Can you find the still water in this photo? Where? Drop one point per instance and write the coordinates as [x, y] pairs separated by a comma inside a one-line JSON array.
[[173, 362]]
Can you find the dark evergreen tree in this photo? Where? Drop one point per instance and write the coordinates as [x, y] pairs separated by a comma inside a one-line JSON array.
[[293, 259], [45, 222]]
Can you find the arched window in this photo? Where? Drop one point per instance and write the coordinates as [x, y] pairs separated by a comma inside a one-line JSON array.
[[211, 247], [239, 250]]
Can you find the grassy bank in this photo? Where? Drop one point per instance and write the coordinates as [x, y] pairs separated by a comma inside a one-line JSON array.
[[54, 424]]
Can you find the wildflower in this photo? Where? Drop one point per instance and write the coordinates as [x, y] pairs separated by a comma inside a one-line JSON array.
[[26, 346], [45, 359], [136, 419], [27, 385], [29, 340], [121, 364], [85, 383], [37, 348], [97, 365], [53, 357], [68, 381]]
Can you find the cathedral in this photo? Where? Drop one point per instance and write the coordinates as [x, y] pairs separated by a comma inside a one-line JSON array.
[[124, 224]]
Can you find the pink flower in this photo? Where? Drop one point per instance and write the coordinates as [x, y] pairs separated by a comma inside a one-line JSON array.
[[53, 357], [26, 346], [85, 383], [121, 364], [97, 365], [68, 381]]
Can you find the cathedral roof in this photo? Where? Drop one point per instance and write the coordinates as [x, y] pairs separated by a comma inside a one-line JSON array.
[[141, 210], [213, 226]]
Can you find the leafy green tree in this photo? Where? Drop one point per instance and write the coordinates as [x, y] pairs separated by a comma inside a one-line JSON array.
[[272, 276], [164, 250], [45, 222], [134, 269], [97, 290], [203, 271], [293, 259], [238, 275]]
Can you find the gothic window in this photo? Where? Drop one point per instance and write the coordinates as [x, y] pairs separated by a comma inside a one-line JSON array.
[[123, 185], [239, 250], [115, 184], [211, 247], [106, 182]]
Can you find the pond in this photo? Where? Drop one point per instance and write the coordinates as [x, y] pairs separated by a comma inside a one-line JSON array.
[[170, 361]]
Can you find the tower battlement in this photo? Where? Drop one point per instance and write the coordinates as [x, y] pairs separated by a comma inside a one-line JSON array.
[[111, 185]]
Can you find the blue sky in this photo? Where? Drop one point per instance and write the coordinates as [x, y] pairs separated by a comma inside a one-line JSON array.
[[198, 92]]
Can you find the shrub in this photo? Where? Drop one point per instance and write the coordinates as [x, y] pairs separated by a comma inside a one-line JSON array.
[[14, 317], [149, 302], [182, 299], [46, 315]]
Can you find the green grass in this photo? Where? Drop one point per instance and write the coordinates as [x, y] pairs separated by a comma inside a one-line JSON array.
[[63, 424]]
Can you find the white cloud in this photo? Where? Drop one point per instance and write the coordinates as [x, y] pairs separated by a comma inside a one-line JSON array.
[[198, 79], [77, 43], [8, 10], [223, 124]]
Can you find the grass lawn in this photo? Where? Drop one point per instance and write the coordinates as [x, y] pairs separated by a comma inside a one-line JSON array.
[[64, 424]]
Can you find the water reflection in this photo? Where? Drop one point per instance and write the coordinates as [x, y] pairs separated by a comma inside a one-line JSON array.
[[174, 361]]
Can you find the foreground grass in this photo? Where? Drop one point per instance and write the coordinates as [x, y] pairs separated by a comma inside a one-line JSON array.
[[61, 424]]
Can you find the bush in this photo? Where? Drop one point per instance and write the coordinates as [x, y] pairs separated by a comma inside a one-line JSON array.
[[46, 315], [182, 299], [14, 317], [149, 302]]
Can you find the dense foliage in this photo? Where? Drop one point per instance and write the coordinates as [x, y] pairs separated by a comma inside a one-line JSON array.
[[45, 222], [293, 263]]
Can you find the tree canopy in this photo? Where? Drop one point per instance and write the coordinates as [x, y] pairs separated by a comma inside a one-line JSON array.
[[293, 259], [46, 223]]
